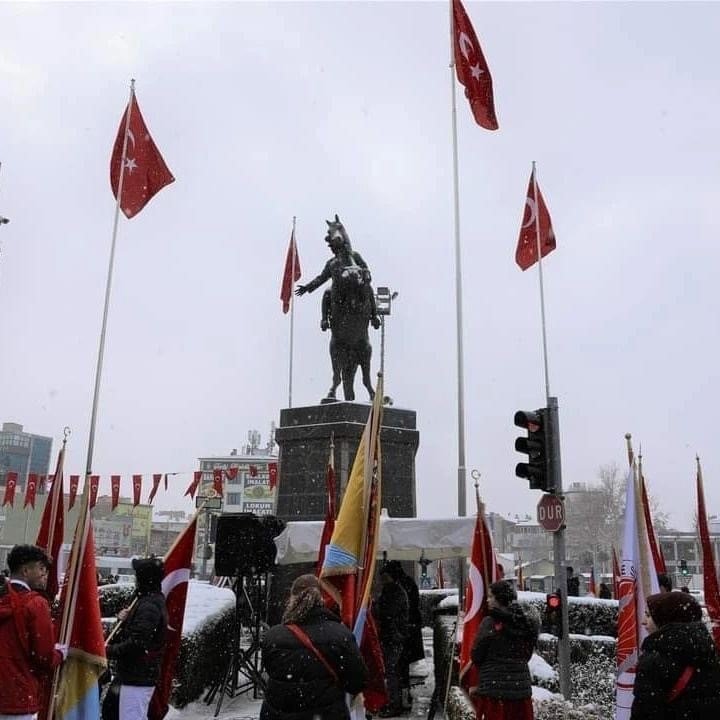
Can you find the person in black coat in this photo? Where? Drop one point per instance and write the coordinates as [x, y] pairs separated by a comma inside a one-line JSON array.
[[503, 646], [678, 673], [306, 683], [137, 649]]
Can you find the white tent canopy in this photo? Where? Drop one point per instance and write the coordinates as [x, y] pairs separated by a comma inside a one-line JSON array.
[[400, 538]]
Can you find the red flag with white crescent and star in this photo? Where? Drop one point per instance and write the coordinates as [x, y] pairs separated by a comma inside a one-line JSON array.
[[193, 486], [137, 488], [30, 490], [231, 473], [291, 274], [74, 482], [94, 486], [176, 573], [218, 481], [536, 219], [483, 572], [157, 477], [52, 526], [472, 69], [10, 485], [272, 475], [145, 172], [114, 491]]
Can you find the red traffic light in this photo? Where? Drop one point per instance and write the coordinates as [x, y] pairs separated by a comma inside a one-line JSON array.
[[553, 601]]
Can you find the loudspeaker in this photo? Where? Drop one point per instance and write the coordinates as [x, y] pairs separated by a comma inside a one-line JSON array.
[[244, 544]]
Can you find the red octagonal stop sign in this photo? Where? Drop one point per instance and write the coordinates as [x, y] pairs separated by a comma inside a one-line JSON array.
[[551, 513]]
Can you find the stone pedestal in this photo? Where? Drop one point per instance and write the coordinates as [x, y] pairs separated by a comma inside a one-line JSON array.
[[304, 441]]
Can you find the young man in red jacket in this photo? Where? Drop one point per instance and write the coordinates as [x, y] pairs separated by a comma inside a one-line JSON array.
[[28, 651]]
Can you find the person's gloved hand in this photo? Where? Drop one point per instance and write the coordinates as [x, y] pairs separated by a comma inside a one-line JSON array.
[[62, 649]]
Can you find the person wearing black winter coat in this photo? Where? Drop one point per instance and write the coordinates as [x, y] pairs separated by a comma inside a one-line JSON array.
[[678, 673], [503, 646], [307, 683], [138, 647]]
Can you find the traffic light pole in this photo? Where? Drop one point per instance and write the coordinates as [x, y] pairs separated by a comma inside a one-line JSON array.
[[559, 556]]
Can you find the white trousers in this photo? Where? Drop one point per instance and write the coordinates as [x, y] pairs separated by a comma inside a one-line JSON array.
[[18, 717], [134, 701]]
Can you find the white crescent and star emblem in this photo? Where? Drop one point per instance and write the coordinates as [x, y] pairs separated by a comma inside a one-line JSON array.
[[530, 202], [478, 591], [466, 45]]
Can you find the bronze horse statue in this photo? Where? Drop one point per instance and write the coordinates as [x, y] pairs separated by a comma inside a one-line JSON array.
[[348, 307]]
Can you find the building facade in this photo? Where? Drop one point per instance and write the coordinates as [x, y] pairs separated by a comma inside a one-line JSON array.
[[23, 453]]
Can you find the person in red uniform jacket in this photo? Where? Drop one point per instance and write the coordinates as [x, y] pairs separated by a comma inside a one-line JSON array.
[[28, 651]]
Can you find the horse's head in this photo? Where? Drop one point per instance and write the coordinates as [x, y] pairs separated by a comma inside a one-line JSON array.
[[337, 237]]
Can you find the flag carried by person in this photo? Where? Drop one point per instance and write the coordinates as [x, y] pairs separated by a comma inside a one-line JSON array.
[[52, 526], [655, 549], [349, 564], [471, 68], [710, 578], [483, 572], [329, 525], [291, 274], [536, 228], [176, 574], [137, 169]]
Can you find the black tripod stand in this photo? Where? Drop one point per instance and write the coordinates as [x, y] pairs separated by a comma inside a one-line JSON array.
[[244, 668]]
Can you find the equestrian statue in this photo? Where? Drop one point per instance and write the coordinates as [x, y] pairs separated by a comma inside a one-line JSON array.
[[348, 307]]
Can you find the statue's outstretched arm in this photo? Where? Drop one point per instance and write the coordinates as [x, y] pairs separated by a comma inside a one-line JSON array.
[[324, 276]]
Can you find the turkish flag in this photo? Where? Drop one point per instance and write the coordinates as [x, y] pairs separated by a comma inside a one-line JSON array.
[[253, 470], [217, 481], [94, 485], [192, 488], [74, 482], [137, 488], [176, 574], [10, 485], [30, 490], [145, 172], [52, 526], [231, 473], [472, 70], [291, 273], [115, 490], [272, 475], [157, 477], [536, 220]]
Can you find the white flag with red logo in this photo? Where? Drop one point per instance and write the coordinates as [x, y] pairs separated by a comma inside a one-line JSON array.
[[178, 562], [483, 572]]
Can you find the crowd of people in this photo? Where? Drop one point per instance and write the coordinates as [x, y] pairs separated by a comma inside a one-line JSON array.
[[312, 660]]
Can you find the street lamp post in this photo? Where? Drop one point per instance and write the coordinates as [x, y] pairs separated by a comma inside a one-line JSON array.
[[383, 303]]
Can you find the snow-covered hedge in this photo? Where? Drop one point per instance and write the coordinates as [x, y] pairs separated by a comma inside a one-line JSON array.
[[581, 647], [429, 600]]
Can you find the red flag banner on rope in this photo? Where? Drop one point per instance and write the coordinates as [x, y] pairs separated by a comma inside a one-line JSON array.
[[482, 573], [231, 473], [178, 563], [252, 469], [10, 485], [74, 483], [272, 475], [291, 274], [114, 490], [30, 490], [137, 489], [329, 525], [218, 481], [710, 578], [536, 221], [94, 486], [157, 477], [145, 172], [52, 526], [472, 69], [192, 488]]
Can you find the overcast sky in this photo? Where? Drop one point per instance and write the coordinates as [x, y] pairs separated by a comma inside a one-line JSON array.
[[269, 110]]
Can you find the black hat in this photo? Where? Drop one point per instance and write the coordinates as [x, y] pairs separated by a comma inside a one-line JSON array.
[[23, 554], [673, 607], [149, 572]]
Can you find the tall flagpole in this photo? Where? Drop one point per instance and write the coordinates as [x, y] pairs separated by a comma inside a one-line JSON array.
[[461, 476], [108, 285], [540, 275], [292, 313]]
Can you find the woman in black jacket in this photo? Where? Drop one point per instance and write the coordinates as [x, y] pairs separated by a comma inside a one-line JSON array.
[[678, 673], [310, 671], [503, 646], [138, 647]]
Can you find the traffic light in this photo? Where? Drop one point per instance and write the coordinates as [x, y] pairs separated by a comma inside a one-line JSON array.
[[683, 567], [537, 445], [553, 613]]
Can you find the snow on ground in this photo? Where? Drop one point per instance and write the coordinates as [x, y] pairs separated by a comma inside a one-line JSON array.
[[541, 669]]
